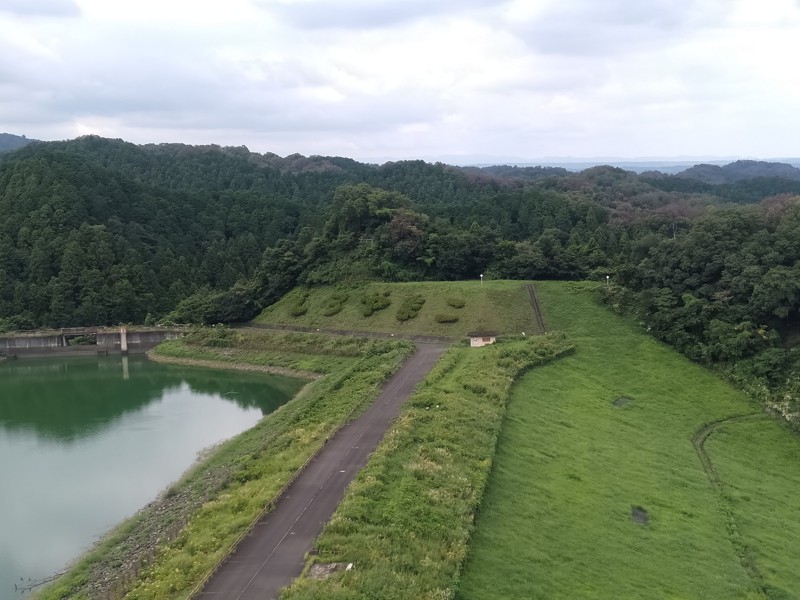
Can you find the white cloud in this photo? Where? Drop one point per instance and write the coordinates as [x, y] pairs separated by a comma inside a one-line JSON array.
[[418, 78], [365, 14], [49, 8]]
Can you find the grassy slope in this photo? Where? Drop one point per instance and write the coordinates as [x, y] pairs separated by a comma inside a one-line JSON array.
[[293, 351], [759, 465], [556, 519], [501, 306], [236, 482], [406, 519]]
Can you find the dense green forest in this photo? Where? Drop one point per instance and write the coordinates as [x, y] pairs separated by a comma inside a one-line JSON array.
[[98, 231], [10, 142]]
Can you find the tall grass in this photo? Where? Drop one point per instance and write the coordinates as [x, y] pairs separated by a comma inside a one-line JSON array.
[[406, 520], [236, 482], [758, 463], [301, 352], [501, 306], [593, 437]]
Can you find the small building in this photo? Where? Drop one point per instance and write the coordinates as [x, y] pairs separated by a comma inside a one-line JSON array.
[[481, 338]]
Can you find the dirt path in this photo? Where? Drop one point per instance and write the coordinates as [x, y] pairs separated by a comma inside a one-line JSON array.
[[699, 439], [537, 310], [701, 435], [274, 553]]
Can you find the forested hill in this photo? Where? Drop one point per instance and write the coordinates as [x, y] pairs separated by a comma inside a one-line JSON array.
[[10, 142], [98, 231], [741, 170]]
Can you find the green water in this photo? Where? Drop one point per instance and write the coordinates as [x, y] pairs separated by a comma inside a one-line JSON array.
[[85, 442]]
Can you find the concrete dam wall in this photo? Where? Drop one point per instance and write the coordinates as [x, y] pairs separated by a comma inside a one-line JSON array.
[[85, 340]]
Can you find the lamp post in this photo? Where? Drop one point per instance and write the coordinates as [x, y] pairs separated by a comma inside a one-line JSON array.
[[481, 279], [607, 280]]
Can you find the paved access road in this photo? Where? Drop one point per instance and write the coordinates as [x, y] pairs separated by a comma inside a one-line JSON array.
[[274, 553]]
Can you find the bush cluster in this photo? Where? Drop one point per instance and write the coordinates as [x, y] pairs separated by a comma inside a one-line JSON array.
[[375, 301], [456, 302], [335, 304], [410, 307], [218, 336], [300, 307], [446, 318]]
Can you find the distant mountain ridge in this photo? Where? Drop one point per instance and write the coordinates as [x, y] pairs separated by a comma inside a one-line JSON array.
[[740, 170], [9, 142]]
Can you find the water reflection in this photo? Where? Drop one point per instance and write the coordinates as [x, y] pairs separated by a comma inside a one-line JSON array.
[[49, 397], [85, 442]]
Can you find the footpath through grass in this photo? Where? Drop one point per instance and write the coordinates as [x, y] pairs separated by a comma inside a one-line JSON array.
[[406, 519], [447, 308], [207, 511], [598, 493], [758, 463]]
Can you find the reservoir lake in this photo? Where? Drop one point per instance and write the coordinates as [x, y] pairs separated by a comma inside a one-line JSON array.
[[86, 442]]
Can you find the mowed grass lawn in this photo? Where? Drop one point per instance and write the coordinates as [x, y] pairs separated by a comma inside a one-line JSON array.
[[759, 465], [556, 521], [501, 306]]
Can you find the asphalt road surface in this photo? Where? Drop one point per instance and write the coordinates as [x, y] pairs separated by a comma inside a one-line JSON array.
[[274, 553]]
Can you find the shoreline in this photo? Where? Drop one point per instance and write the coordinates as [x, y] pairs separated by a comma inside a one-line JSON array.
[[232, 366], [165, 515]]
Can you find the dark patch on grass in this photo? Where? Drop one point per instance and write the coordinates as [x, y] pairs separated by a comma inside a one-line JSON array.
[[622, 401], [639, 515]]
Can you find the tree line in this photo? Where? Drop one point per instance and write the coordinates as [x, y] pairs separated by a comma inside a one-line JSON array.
[[98, 231]]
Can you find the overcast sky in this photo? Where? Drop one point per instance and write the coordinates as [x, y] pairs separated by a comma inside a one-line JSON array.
[[380, 79]]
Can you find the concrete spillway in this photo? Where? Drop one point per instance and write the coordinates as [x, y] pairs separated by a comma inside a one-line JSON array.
[[93, 339]]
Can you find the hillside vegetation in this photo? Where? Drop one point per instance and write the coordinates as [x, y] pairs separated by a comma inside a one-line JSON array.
[[170, 546], [603, 486], [445, 309], [405, 521], [98, 231], [9, 142]]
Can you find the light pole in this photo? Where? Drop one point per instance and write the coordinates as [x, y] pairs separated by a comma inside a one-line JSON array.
[[481, 279], [607, 280]]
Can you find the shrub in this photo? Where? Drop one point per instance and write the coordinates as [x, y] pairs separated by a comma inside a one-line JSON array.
[[83, 340], [457, 302], [332, 309], [299, 308], [374, 301], [410, 308], [446, 318], [335, 304], [217, 336]]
